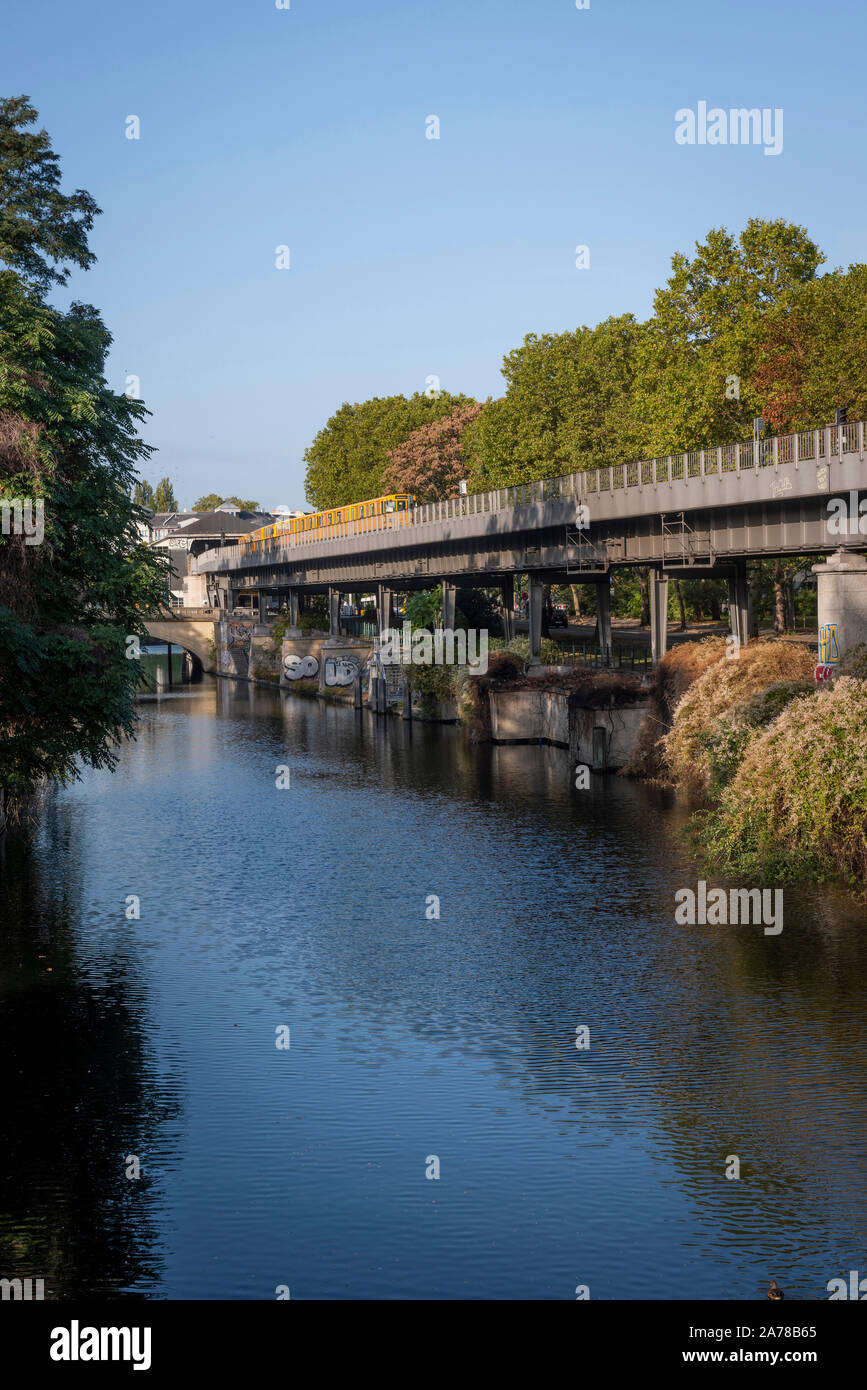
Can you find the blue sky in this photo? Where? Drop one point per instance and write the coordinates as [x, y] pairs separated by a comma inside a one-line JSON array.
[[409, 257]]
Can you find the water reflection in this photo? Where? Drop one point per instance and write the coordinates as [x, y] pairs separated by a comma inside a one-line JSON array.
[[410, 1035]]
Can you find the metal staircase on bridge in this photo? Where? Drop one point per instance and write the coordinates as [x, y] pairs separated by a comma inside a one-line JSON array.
[[683, 547], [584, 556]]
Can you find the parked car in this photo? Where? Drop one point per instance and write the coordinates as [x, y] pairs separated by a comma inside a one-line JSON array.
[[559, 616]]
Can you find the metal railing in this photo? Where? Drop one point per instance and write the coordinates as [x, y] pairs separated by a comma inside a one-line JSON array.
[[805, 446], [621, 656]]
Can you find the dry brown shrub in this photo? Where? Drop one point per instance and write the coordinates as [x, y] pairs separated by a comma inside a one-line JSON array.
[[713, 701], [675, 673]]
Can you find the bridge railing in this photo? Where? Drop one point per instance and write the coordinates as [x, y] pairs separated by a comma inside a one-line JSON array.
[[801, 447]]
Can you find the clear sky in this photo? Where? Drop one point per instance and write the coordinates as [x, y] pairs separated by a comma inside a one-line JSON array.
[[409, 256]]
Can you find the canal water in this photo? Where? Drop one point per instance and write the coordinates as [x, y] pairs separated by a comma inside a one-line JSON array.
[[171, 922]]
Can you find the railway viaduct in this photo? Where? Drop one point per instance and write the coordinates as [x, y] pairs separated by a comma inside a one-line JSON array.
[[700, 514]]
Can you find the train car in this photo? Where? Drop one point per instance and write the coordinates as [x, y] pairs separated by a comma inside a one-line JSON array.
[[375, 514]]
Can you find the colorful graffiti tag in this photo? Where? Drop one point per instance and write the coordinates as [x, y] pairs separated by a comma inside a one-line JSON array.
[[829, 652], [238, 634]]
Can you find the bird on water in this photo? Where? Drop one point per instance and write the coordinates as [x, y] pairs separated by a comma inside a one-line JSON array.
[[775, 1291]]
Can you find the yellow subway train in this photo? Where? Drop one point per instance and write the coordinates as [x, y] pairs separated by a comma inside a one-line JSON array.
[[376, 514]]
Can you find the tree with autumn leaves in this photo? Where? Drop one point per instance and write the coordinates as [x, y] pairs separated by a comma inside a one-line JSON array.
[[431, 462]]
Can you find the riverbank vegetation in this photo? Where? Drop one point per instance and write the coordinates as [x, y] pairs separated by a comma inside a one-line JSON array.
[[73, 597], [773, 765]]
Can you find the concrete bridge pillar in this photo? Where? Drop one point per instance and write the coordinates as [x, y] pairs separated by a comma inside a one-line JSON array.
[[333, 613], [536, 586], [739, 603], [449, 599], [658, 614], [842, 596], [507, 590], [263, 606], [294, 630], [383, 609], [603, 616]]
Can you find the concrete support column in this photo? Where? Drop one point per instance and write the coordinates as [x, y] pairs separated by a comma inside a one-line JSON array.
[[739, 603], [658, 614], [842, 597], [263, 606], [449, 599], [603, 616], [383, 609], [536, 586], [507, 589], [231, 599], [333, 613], [293, 613]]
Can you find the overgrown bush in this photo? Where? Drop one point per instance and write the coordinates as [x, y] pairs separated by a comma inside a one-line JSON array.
[[797, 805], [431, 685], [709, 731], [672, 677]]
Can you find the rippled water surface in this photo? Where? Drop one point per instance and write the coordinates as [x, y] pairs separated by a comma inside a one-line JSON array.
[[306, 907]]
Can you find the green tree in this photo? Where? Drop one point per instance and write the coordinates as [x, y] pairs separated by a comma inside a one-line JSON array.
[[567, 407], [143, 495], [346, 460], [212, 500], [696, 379], [811, 356], [164, 497], [69, 604]]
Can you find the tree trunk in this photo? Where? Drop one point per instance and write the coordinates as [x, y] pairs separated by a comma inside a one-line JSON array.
[[644, 586], [779, 599], [576, 599], [679, 592]]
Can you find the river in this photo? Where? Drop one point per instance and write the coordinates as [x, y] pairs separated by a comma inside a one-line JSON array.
[[148, 1031]]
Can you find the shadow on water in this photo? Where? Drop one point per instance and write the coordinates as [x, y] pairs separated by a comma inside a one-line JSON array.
[[80, 1091]]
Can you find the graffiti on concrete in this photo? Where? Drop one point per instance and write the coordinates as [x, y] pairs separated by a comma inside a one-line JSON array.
[[341, 670], [238, 634], [829, 652], [225, 660], [298, 668]]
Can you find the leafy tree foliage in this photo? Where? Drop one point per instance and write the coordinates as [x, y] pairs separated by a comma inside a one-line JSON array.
[[212, 500], [431, 462], [346, 460], [164, 497], [812, 353], [567, 406], [143, 495], [696, 381], [67, 604]]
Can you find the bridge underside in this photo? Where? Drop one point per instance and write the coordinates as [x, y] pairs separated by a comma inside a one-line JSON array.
[[700, 544]]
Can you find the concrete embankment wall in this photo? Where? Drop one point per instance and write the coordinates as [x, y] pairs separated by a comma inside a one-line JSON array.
[[600, 738]]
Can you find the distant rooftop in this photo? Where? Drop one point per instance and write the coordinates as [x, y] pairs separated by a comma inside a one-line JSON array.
[[219, 522]]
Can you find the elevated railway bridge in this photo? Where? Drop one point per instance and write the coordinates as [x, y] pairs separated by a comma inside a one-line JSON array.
[[704, 513]]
